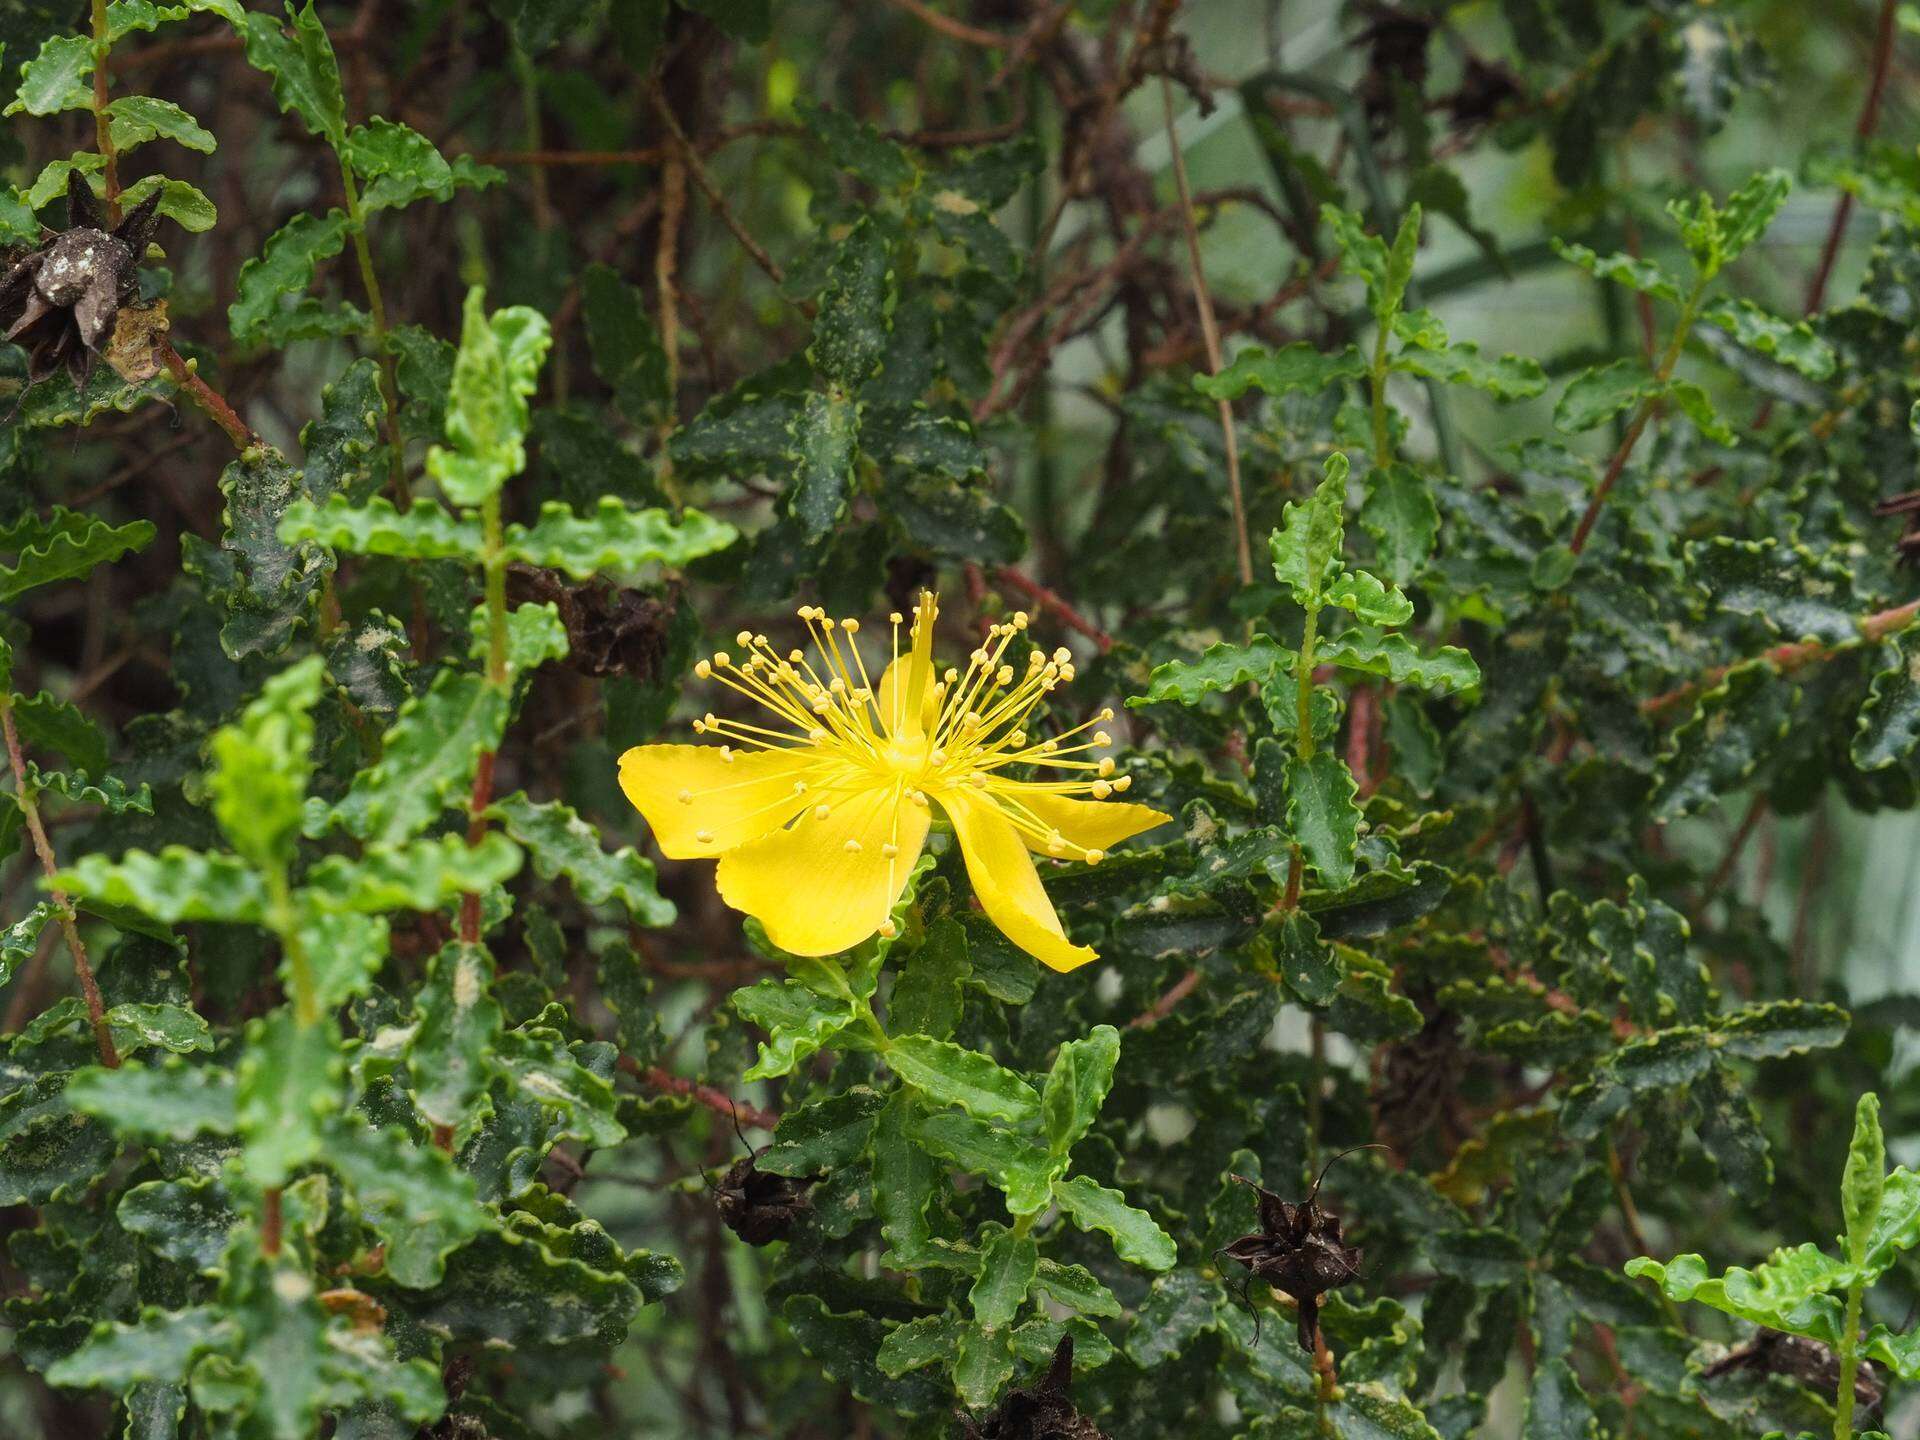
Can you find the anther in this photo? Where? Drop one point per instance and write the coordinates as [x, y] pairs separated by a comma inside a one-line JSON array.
[[704, 670], [1019, 619], [852, 847], [1062, 655], [726, 754], [889, 850], [743, 639], [705, 837], [918, 797], [888, 929], [699, 727], [1123, 782], [852, 627], [686, 797], [1056, 843], [1105, 767], [895, 617], [1107, 714], [1101, 789], [1094, 857], [1101, 737], [722, 659], [820, 812]]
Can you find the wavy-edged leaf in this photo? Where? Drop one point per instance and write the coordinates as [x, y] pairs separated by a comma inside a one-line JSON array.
[[1445, 670], [1220, 668], [429, 754], [494, 373], [418, 875], [1299, 366], [1136, 1238], [63, 546], [561, 843], [174, 885], [614, 539], [426, 530], [954, 1075], [282, 272]]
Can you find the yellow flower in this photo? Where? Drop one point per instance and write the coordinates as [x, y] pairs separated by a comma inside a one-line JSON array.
[[818, 823]]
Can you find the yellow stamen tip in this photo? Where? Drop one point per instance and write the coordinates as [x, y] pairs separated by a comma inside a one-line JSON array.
[[743, 639], [704, 670], [1106, 766], [1101, 737], [852, 847], [888, 929], [1062, 655], [820, 812], [686, 797], [1094, 857], [1101, 789], [895, 617], [705, 837], [852, 627], [722, 659], [1123, 782], [889, 850]]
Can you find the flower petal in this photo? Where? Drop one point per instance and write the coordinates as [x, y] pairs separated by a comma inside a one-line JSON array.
[[1005, 880], [817, 896], [1086, 824], [728, 801]]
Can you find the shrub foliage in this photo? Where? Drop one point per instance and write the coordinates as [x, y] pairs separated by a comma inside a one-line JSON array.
[[366, 1072]]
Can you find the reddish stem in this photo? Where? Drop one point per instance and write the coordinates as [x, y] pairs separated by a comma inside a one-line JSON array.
[[715, 1100], [1788, 657], [270, 1224], [1045, 599], [215, 406], [1614, 467], [476, 832]]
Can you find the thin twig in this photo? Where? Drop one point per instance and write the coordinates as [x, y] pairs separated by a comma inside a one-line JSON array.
[[1166, 1004], [1789, 657], [717, 1101], [1045, 599], [1243, 552], [63, 908], [951, 28], [186, 377]]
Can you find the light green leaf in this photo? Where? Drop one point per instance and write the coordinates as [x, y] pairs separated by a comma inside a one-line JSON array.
[[425, 531], [1371, 601], [285, 268], [137, 119], [180, 202], [400, 166], [615, 540], [258, 781], [1864, 1181], [306, 77], [172, 1100], [1009, 1261], [420, 874], [286, 1088], [1136, 1238], [1642, 275], [798, 1021], [561, 843], [163, 1345], [496, 369], [1426, 351], [1020, 1169], [1299, 366], [1789, 1292], [1306, 547], [1400, 515], [63, 546], [922, 1341], [953, 1075], [428, 757], [56, 78], [176, 884], [1322, 816], [1077, 1085], [1444, 670], [1889, 723], [1791, 342]]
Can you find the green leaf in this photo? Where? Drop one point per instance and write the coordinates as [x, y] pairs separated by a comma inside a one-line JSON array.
[[1306, 547], [400, 166], [1299, 366], [20, 939], [496, 369], [286, 1087], [306, 77], [1400, 515], [137, 119], [561, 843], [1791, 342], [1864, 1182], [180, 202], [137, 1026], [1799, 595], [1426, 351], [799, 1022], [1780, 1028], [904, 1181], [1734, 726], [258, 780], [1322, 816], [1746, 215], [457, 1024], [187, 1221], [1642, 275], [1597, 395], [428, 756], [922, 1341], [625, 344], [614, 540], [1077, 1085], [1220, 668], [269, 588], [1136, 1238], [1694, 404], [858, 148], [427, 530], [47, 723], [1363, 256], [1016, 1166], [285, 268], [822, 440], [824, 1136], [176, 884], [1889, 722], [172, 1100], [1557, 1408], [56, 78], [952, 1075], [1077, 1288], [850, 330], [421, 874], [421, 1206], [1369, 600], [926, 997], [163, 1345], [1447, 670], [1789, 1292], [63, 546], [1009, 1260]]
